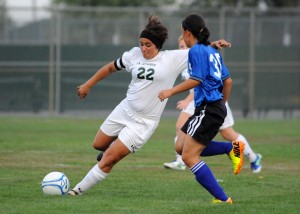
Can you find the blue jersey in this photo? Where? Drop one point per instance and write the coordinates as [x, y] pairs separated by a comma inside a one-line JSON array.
[[205, 64]]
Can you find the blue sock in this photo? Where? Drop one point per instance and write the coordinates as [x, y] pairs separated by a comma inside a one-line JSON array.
[[217, 148], [205, 177]]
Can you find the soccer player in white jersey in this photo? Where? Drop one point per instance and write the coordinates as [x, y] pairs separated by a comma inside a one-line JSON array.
[[226, 130], [133, 121]]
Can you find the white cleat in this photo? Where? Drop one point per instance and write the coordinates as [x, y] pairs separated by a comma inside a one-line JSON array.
[[74, 193], [176, 165]]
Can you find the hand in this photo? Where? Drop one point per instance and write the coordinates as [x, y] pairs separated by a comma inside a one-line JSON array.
[[221, 44], [164, 94], [82, 91], [182, 104]]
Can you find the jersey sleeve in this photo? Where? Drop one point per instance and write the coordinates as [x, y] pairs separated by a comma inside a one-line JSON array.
[[179, 60], [125, 60], [196, 65]]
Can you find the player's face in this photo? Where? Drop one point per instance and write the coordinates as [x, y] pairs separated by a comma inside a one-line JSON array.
[[148, 49], [186, 37], [182, 45]]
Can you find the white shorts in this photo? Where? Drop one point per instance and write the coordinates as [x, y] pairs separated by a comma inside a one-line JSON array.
[[132, 129], [228, 121], [190, 109]]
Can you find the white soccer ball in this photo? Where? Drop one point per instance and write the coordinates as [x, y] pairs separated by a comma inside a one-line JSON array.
[[55, 183]]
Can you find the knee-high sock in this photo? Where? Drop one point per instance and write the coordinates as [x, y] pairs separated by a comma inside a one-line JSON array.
[[91, 179], [217, 148], [247, 151], [205, 177]]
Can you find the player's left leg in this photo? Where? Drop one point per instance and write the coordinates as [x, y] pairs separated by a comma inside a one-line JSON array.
[[234, 150], [178, 164]]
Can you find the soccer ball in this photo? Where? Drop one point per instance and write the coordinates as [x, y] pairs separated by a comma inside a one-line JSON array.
[[55, 183]]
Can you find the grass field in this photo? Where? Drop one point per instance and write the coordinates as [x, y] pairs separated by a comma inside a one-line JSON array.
[[32, 147]]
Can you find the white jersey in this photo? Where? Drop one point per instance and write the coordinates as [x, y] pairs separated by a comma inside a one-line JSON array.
[[149, 77], [185, 75]]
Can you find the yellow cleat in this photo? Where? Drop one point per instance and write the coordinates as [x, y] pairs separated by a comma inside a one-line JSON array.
[[236, 156], [216, 201]]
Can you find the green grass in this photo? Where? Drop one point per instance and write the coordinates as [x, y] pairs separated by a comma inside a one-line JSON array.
[[32, 147]]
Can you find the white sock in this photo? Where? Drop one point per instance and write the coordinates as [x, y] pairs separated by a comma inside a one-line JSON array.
[[247, 151], [179, 159], [178, 156], [91, 179]]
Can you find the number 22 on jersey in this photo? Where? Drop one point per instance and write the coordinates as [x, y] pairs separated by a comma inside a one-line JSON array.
[[145, 74]]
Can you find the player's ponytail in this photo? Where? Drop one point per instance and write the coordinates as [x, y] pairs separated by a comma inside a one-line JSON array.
[[203, 36]]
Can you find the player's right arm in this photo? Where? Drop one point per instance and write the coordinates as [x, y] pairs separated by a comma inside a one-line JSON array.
[[103, 72], [186, 85]]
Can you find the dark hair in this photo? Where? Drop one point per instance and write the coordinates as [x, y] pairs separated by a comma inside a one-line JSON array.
[[155, 31], [196, 25]]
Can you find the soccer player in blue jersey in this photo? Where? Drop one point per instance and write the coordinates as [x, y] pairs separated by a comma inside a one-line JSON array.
[[208, 75]]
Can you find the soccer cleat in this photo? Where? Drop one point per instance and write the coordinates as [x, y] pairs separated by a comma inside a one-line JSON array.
[[99, 156], [175, 165], [256, 165], [236, 156], [216, 201], [74, 193]]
